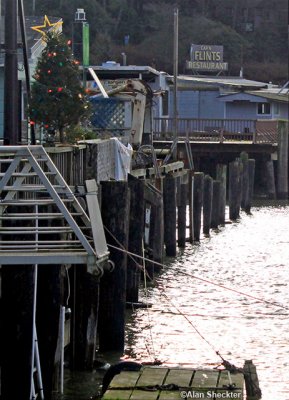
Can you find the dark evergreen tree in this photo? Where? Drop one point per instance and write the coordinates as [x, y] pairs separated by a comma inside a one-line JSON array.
[[58, 98]]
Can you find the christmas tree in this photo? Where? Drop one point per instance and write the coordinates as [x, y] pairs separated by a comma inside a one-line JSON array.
[[58, 98]]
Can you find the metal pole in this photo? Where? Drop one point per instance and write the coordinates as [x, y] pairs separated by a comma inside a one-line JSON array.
[[176, 60], [62, 333], [11, 74], [26, 63]]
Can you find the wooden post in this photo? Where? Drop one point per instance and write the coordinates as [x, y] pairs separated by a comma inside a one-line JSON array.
[[191, 206], [85, 293], [154, 227], [270, 178], [216, 204], [115, 215], [208, 202], [234, 183], [16, 329], [198, 203], [239, 186], [182, 212], [49, 301], [136, 233], [253, 390], [251, 168], [158, 231], [221, 176], [282, 166], [245, 180], [170, 217]]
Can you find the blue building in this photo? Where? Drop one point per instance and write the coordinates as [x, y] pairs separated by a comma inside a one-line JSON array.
[[228, 98]]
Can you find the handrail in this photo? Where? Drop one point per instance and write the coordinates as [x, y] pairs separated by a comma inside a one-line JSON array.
[[218, 130]]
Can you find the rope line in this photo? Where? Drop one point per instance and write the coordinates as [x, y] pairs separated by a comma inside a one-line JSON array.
[[129, 253], [275, 304], [162, 293]]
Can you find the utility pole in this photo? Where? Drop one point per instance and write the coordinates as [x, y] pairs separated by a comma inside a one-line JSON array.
[[176, 61], [11, 75]]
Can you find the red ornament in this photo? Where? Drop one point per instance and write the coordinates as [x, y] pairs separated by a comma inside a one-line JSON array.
[[32, 123], [60, 89], [49, 71], [46, 126], [49, 90]]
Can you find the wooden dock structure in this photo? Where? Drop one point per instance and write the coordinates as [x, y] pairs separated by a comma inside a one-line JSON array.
[[163, 383]]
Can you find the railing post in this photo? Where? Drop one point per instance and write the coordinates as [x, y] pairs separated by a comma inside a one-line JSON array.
[[254, 132]]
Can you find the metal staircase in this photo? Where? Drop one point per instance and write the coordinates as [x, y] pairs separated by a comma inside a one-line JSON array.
[[41, 219]]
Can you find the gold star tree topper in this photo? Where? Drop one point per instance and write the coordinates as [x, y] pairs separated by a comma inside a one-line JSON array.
[[46, 26]]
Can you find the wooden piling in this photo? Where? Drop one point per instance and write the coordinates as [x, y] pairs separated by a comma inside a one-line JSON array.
[[198, 203], [16, 329], [85, 295], [170, 217], [253, 390], [221, 176], [158, 231], [115, 216], [270, 179], [240, 185], [234, 190], [207, 206], [49, 301], [182, 211], [191, 206], [136, 232], [245, 179], [251, 169], [282, 165], [154, 227], [216, 204]]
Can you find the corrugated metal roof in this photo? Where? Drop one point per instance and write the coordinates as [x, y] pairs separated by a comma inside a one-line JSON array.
[[270, 94], [115, 71], [234, 82]]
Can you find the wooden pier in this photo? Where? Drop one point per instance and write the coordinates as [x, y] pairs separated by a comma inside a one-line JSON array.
[[163, 383], [66, 193]]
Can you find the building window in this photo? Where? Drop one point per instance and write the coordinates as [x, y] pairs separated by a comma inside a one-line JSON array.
[[276, 109], [264, 108]]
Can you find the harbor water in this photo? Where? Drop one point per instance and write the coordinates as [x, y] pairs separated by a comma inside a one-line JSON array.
[[191, 319]]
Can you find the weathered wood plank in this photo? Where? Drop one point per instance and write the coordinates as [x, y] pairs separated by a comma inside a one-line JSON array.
[[124, 379], [180, 377], [205, 379], [225, 381], [117, 395], [149, 376]]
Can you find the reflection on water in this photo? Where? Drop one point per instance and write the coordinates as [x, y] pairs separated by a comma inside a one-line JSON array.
[[251, 256]]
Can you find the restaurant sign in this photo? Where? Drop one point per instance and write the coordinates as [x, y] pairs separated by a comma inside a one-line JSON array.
[[206, 58]]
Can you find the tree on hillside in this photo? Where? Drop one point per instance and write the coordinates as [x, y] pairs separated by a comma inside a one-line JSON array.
[[58, 99]]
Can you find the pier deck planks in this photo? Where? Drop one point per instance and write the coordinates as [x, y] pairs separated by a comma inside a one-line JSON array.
[[202, 384]]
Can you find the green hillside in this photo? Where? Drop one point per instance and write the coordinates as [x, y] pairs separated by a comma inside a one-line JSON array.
[[254, 33]]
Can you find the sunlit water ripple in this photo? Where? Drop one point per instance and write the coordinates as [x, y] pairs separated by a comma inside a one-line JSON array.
[[251, 256]]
